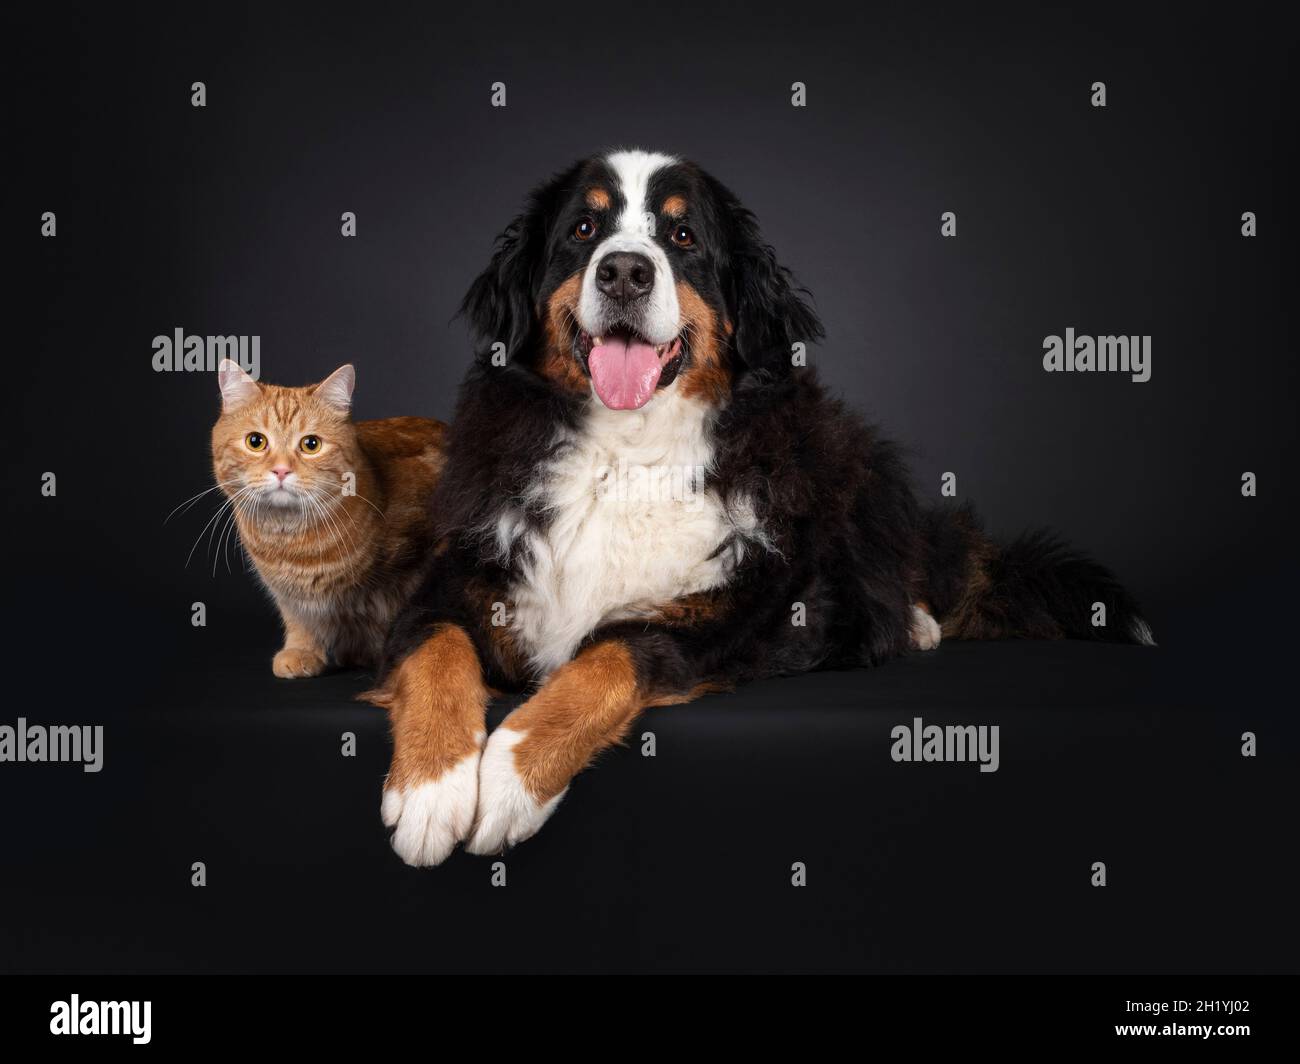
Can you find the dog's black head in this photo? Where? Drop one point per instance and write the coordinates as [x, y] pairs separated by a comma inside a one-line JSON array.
[[633, 272]]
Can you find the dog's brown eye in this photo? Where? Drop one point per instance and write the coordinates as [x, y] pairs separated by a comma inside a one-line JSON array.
[[683, 237], [255, 441], [585, 229]]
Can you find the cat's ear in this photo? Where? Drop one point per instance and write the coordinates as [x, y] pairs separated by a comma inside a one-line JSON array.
[[237, 387], [336, 389]]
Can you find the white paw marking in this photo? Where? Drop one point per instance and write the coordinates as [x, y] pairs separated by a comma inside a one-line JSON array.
[[507, 813], [926, 632], [430, 818], [390, 809]]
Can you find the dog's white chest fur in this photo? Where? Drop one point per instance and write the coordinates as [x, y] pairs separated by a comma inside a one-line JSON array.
[[630, 526]]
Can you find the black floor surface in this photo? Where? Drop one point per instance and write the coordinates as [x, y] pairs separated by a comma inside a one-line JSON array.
[[683, 861]]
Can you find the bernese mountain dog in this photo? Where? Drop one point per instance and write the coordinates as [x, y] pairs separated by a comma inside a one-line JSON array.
[[649, 495]]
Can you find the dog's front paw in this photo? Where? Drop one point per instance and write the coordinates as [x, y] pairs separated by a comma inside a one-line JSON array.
[[507, 812], [429, 818], [925, 631], [294, 662]]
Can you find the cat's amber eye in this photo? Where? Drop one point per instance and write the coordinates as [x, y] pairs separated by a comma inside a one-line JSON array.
[[309, 444], [255, 441]]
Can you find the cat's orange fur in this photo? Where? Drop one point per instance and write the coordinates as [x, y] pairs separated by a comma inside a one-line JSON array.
[[338, 536]]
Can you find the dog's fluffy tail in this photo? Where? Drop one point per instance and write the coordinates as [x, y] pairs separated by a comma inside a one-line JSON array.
[[1036, 587]]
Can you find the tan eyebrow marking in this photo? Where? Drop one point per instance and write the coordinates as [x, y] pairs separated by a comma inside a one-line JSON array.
[[675, 206], [597, 199]]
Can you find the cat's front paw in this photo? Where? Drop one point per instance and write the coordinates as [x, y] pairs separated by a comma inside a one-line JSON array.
[[295, 662]]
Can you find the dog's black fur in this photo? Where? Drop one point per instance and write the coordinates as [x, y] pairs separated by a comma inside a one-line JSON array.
[[847, 537]]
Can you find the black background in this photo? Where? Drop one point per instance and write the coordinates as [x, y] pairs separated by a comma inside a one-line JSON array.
[[225, 220]]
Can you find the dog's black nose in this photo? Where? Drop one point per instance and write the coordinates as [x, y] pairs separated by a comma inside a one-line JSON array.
[[625, 276]]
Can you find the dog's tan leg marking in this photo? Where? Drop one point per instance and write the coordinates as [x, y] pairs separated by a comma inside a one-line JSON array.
[[586, 705], [436, 702]]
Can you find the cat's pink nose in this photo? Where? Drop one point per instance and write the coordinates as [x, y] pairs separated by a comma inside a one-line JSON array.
[[281, 471]]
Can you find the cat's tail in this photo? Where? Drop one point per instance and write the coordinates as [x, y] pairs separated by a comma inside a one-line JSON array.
[[1036, 587]]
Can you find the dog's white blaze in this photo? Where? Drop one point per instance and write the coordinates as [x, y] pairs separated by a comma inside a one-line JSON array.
[[605, 556], [634, 169], [633, 230]]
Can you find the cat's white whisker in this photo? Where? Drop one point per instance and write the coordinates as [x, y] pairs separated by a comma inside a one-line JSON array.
[[195, 498], [341, 534], [222, 532], [219, 528], [239, 510], [220, 510], [357, 495], [317, 522]]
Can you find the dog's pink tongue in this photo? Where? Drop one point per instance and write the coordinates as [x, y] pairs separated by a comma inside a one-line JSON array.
[[625, 374]]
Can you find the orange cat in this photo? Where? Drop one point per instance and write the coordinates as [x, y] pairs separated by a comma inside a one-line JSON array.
[[333, 513]]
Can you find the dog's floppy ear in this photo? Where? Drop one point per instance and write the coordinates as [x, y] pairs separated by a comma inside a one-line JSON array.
[[501, 303], [770, 313]]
